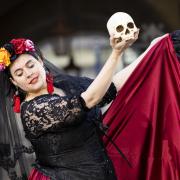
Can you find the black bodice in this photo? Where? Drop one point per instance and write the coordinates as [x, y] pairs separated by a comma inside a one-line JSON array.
[[65, 135]]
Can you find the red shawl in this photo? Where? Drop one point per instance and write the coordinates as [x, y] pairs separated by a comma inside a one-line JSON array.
[[144, 119]]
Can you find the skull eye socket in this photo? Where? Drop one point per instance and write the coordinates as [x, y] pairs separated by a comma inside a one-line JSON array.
[[130, 25], [119, 28]]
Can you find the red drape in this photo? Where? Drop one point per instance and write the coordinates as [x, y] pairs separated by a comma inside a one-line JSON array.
[[144, 119]]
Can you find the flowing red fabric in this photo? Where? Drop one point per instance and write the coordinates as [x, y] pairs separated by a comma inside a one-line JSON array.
[[36, 175], [144, 119]]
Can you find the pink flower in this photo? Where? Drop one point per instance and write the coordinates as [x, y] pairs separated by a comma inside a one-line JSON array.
[[2, 67], [29, 45]]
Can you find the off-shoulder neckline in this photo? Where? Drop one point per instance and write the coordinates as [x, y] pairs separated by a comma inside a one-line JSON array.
[[42, 95]]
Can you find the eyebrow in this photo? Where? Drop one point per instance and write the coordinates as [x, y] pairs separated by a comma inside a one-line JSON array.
[[25, 65]]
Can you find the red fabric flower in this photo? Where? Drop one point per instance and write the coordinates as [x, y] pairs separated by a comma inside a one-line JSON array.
[[19, 45]]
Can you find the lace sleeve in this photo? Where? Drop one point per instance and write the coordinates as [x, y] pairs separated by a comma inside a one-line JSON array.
[[109, 96], [111, 93], [47, 112]]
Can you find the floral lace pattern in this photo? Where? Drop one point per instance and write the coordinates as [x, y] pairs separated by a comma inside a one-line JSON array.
[[51, 111]]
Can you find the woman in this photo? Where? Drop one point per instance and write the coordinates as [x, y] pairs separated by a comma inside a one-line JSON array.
[[61, 118]]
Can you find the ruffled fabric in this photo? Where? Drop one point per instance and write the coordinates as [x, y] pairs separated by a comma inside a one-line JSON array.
[[144, 118]]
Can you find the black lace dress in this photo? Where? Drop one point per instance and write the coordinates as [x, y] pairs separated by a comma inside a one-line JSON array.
[[65, 134]]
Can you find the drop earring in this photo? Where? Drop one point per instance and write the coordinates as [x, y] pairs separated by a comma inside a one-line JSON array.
[[17, 102], [49, 80]]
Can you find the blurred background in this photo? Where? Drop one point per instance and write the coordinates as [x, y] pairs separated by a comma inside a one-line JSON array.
[[73, 34]]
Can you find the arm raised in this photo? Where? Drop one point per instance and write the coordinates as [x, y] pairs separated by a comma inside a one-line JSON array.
[[101, 83]]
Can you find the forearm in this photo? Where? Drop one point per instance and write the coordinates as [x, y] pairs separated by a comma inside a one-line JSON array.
[[99, 86], [120, 78]]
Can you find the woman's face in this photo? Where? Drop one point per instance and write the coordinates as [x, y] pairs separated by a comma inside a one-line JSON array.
[[28, 73]]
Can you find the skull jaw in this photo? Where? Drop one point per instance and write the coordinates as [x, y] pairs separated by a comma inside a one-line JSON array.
[[124, 36]]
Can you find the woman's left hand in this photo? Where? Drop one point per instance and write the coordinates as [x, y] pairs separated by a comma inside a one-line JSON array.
[[120, 45]]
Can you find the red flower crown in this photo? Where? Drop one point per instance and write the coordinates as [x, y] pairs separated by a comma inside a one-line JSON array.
[[20, 46]]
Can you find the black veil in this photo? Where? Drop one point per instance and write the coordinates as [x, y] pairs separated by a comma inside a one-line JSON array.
[[16, 153]]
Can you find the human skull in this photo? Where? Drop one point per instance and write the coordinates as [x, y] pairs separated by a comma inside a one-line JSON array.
[[121, 26]]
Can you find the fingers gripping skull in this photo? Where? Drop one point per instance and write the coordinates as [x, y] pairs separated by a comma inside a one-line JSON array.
[[121, 25]]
